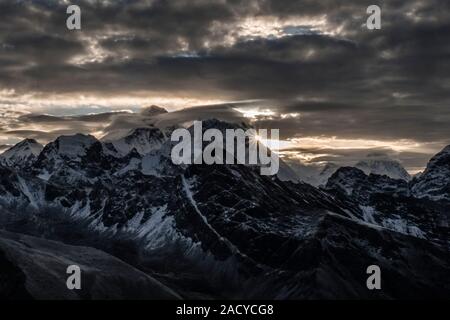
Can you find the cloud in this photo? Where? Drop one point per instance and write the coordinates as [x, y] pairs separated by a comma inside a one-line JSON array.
[[419, 123], [306, 57], [199, 46], [44, 127]]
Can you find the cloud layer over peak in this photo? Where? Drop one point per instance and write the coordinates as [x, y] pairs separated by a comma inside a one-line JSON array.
[[313, 66]]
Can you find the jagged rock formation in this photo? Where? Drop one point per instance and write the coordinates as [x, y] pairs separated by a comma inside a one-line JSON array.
[[253, 236]]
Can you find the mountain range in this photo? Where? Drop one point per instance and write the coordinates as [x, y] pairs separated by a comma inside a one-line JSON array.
[[318, 174], [215, 231]]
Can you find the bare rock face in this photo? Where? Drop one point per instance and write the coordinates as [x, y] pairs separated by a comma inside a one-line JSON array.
[[34, 268], [434, 182]]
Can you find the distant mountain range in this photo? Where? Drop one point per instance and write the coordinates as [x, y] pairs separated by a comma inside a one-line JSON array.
[[218, 231], [318, 175]]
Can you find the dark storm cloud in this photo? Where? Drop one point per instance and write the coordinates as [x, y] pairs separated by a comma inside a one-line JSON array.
[[44, 136], [50, 119], [422, 123], [343, 79], [180, 46], [54, 126], [40, 48]]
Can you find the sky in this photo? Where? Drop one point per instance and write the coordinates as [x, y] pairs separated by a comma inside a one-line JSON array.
[[337, 91]]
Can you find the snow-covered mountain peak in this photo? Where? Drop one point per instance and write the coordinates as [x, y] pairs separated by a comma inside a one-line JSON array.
[[313, 174], [354, 183], [28, 143], [153, 110], [317, 174], [345, 179], [22, 154], [383, 166], [75, 145], [143, 140], [65, 148]]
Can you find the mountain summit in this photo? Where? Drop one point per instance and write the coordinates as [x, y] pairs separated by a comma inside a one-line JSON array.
[[383, 166], [143, 140], [434, 182], [21, 154]]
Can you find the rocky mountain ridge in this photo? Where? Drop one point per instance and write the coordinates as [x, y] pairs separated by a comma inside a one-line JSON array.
[[254, 236]]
